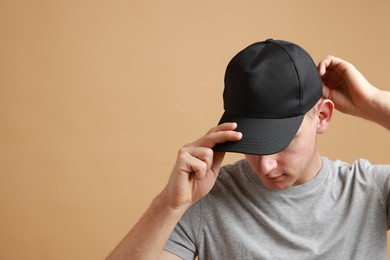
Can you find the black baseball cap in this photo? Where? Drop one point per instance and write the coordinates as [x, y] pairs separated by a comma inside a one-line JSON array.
[[269, 86]]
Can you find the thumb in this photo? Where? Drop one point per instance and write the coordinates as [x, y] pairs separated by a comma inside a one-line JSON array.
[[325, 91], [217, 161]]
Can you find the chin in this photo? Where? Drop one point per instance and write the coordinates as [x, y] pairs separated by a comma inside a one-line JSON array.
[[281, 185], [277, 186]]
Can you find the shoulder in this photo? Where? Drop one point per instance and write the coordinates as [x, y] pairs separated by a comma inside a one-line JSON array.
[[361, 172], [234, 183], [359, 166], [233, 174], [239, 165]]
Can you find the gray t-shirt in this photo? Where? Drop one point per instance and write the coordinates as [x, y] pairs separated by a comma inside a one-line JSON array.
[[341, 214]]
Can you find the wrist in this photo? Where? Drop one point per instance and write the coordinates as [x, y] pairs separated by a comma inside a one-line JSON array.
[[164, 202], [378, 108]]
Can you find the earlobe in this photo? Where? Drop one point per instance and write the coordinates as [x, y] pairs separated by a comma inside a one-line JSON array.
[[324, 114]]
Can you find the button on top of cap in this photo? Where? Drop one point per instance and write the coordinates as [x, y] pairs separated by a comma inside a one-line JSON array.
[[270, 40]]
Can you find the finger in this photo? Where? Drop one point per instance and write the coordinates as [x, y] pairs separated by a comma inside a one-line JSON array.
[[325, 92], [203, 154], [324, 64], [217, 161], [223, 127], [197, 160], [334, 64], [213, 138], [192, 166], [219, 134], [199, 170], [211, 159]]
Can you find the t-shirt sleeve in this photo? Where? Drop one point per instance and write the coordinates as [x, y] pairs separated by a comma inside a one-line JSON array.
[[380, 175], [183, 239]]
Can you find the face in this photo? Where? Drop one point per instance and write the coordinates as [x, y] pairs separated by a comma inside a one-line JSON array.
[[296, 164]]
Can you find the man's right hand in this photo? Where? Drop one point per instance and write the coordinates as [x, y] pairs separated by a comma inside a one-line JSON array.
[[197, 167], [193, 176]]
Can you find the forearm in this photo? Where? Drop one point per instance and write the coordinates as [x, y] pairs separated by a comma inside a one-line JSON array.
[[148, 237], [378, 110]]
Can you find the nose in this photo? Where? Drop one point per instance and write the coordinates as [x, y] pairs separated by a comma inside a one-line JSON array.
[[266, 163]]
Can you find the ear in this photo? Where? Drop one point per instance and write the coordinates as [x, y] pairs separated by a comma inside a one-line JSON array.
[[324, 114]]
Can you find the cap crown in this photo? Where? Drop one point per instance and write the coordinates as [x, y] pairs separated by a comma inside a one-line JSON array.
[[271, 79]]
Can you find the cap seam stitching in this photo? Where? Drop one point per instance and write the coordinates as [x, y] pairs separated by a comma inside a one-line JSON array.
[[255, 59], [298, 74]]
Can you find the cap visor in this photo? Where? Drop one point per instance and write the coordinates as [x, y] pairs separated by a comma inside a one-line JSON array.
[[261, 136]]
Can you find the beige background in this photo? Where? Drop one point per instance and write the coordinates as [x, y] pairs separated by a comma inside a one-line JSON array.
[[96, 97]]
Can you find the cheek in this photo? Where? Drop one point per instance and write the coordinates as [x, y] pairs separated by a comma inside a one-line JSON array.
[[299, 152], [306, 149], [305, 143]]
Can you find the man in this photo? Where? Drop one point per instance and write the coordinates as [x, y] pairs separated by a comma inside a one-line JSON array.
[[284, 200]]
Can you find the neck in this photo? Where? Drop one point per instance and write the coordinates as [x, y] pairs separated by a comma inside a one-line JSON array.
[[312, 169]]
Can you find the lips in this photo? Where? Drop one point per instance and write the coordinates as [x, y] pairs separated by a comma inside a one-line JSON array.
[[275, 177]]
